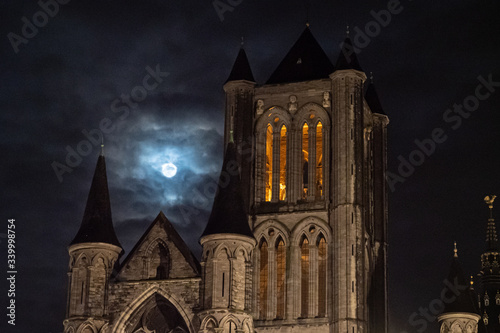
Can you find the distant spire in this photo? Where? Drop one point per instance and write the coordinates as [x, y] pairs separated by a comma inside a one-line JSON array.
[[491, 230], [347, 58], [455, 251], [241, 68]]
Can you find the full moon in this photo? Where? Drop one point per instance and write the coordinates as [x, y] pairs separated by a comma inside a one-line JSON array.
[[169, 170]]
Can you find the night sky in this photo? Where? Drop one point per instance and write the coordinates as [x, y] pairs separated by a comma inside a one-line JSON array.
[[73, 75]]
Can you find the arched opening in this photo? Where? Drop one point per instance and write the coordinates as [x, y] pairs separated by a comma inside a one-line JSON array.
[[319, 160], [230, 327], [269, 163], [280, 278], [263, 279], [322, 271], [304, 278], [283, 154], [305, 160]]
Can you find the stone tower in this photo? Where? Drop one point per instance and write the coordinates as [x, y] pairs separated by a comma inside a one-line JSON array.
[[228, 245], [317, 197], [93, 254], [489, 276], [460, 311]]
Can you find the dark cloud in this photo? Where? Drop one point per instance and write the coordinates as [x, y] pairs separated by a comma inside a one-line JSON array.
[[65, 79]]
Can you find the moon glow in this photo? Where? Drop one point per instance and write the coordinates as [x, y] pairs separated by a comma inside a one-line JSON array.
[[169, 170]]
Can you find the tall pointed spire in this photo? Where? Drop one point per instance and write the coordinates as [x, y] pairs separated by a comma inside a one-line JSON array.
[[228, 212], [491, 230], [372, 99], [97, 224], [241, 68]]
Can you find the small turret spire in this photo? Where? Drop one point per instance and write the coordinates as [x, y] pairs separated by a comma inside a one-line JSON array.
[[455, 251]]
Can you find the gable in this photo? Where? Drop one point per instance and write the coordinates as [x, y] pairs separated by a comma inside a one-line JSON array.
[[159, 254]]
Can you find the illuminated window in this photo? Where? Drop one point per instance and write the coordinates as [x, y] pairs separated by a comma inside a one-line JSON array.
[[264, 271], [304, 277], [283, 163], [319, 160], [280, 278], [269, 163], [305, 159], [322, 277]]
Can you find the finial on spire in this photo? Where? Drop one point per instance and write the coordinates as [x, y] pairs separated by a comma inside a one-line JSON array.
[[455, 251], [102, 145], [371, 77], [307, 24], [242, 41], [347, 31], [489, 201], [471, 282]]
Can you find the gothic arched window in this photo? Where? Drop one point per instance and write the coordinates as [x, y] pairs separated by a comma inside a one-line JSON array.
[[263, 281], [322, 271], [319, 160], [280, 278], [282, 193], [305, 160], [269, 163], [304, 278]]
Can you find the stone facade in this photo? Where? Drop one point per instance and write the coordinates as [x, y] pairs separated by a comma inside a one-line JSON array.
[[312, 161]]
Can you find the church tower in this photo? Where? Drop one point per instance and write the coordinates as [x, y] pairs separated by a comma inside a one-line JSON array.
[[317, 197], [489, 276], [93, 254], [228, 245], [460, 311]]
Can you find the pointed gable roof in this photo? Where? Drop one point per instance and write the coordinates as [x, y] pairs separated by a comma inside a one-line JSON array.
[[465, 301], [241, 68], [228, 212], [372, 99], [161, 223], [347, 58], [97, 225], [305, 61]]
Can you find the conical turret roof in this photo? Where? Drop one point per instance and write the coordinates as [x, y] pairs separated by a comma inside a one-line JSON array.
[[305, 61], [228, 212], [97, 224], [372, 99], [241, 68], [347, 58], [466, 300]]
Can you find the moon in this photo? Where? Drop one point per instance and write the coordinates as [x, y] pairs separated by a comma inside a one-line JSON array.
[[169, 170]]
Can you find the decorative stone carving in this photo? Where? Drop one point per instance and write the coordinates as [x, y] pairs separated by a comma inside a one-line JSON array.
[[326, 99], [292, 106], [259, 109]]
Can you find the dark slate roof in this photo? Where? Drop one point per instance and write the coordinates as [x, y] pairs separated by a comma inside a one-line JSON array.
[[466, 301], [172, 236], [97, 225], [371, 98], [347, 58], [305, 61], [228, 212], [241, 68]]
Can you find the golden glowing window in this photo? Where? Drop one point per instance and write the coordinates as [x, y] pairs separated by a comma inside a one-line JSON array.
[[283, 163], [280, 278], [264, 271], [269, 163], [304, 278], [319, 159], [305, 159], [322, 277]]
